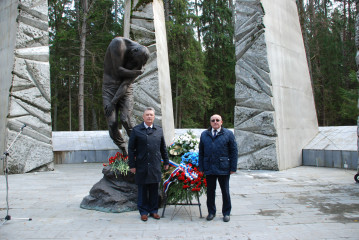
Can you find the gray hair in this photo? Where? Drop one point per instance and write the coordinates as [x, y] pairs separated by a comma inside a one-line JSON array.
[[150, 109]]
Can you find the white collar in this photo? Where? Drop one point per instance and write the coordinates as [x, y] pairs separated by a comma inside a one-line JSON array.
[[147, 126], [218, 130]]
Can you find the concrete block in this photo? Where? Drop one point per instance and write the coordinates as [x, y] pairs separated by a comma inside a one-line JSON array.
[[337, 159], [272, 80], [328, 158]]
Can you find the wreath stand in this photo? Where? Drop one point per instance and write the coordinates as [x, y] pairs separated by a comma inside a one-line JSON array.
[[187, 202]]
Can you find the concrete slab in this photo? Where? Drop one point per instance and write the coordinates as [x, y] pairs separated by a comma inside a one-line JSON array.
[[299, 203], [335, 138]]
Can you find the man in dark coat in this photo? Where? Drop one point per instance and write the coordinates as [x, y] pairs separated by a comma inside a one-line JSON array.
[[218, 157], [146, 147]]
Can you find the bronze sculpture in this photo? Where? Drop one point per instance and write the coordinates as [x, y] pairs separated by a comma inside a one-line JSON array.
[[124, 62]]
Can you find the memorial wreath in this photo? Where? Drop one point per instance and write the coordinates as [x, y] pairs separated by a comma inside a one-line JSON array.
[[183, 181]]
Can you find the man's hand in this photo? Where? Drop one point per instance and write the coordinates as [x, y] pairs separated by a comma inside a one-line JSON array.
[[133, 170], [165, 167], [109, 108]]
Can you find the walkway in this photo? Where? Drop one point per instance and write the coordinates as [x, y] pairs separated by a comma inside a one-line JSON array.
[[299, 203]]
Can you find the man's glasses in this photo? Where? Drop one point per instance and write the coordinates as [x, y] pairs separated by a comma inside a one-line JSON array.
[[215, 120]]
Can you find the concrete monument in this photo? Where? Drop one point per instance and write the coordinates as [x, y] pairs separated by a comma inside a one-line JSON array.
[[25, 85], [275, 114], [145, 24]]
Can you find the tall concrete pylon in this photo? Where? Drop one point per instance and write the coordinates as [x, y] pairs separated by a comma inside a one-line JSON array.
[[145, 24], [25, 85], [275, 113]]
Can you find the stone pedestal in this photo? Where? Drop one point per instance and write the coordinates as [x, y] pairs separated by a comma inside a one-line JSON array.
[[25, 85], [114, 193], [275, 114], [146, 25]]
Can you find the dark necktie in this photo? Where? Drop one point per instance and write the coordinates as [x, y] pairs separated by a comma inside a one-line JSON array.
[[148, 130], [214, 133]]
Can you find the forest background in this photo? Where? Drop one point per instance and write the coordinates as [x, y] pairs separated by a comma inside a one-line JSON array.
[[202, 59]]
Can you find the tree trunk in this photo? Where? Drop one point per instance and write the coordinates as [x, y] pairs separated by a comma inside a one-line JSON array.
[[302, 17], [176, 104], [70, 109], [94, 125], [85, 9], [198, 28], [167, 10], [345, 25], [116, 11], [180, 111], [357, 42], [55, 104]]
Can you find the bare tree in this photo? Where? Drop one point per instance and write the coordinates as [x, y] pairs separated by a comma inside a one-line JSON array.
[[167, 9], [116, 10], [357, 53], [357, 41], [302, 20], [85, 7]]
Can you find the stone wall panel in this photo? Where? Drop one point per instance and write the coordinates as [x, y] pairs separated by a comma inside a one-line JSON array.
[[272, 79], [254, 126], [263, 159], [249, 97], [31, 155], [19, 83], [30, 96], [29, 36], [248, 142]]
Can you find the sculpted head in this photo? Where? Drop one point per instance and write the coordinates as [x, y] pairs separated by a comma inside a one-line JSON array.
[[139, 55]]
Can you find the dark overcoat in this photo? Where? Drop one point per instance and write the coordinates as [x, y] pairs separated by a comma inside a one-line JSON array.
[[217, 155], [145, 152]]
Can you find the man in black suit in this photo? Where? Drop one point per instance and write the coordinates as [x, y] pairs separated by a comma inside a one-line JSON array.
[[146, 147]]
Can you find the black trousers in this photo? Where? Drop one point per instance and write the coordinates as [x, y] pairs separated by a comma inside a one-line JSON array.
[[147, 201], [211, 193]]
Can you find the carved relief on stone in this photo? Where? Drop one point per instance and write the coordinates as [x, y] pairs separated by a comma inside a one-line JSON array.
[[30, 97], [254, 112]]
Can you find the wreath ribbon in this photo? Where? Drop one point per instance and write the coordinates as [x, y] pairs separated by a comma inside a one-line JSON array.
[[186, 168]]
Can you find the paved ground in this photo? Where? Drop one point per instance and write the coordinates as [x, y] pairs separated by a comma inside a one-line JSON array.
[[299, 203]]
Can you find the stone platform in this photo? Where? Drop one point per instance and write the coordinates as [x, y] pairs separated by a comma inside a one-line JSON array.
[[333, 147]]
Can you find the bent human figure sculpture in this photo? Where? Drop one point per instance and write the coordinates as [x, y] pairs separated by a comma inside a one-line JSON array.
[[124, 62]]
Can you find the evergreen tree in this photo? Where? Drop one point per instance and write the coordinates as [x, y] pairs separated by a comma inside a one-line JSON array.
[[190, 90], [217, 31], [64, 61], [102, 28], [330, 34]]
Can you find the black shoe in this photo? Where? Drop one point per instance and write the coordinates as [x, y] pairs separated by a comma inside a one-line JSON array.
[[226, 218], [210, 216]]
